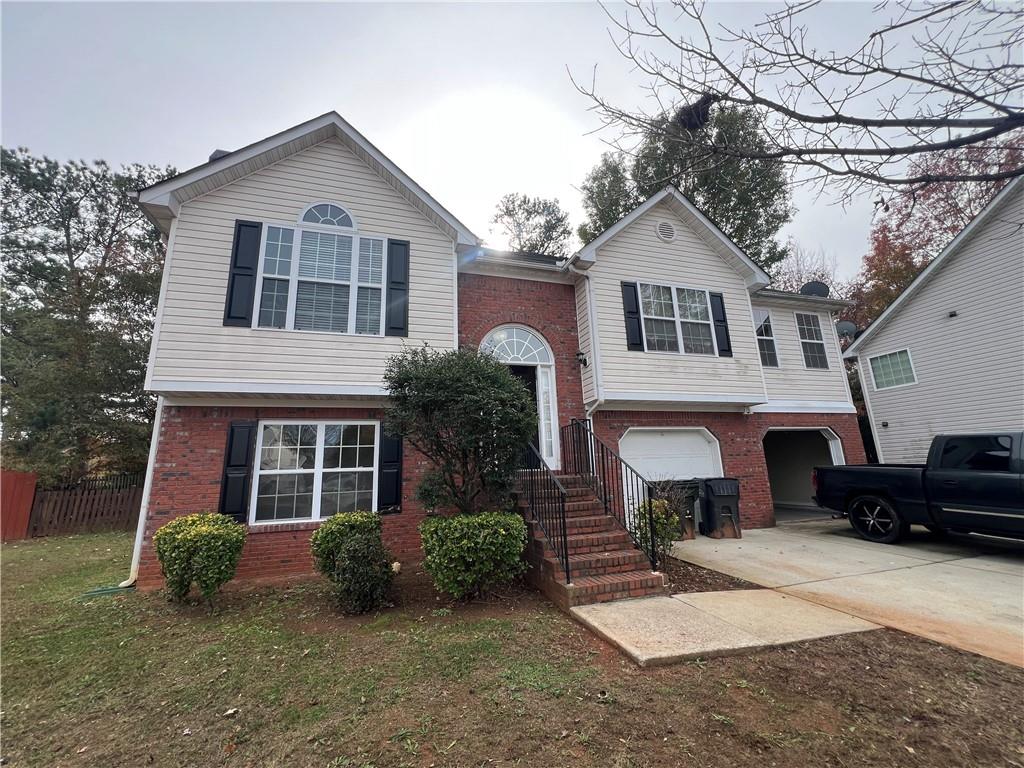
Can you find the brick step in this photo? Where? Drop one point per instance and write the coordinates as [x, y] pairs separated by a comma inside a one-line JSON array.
[[597, 563], [589, 524], [585, 590], [587, 508], [607, 541]]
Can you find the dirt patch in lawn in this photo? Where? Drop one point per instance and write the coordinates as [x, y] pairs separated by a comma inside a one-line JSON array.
[[686, 577], [275, 677]]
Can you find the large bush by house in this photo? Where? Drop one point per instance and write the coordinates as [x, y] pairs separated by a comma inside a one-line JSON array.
[[468, 416], [666, 530], [200, 549], [348, 550], [468, 555]]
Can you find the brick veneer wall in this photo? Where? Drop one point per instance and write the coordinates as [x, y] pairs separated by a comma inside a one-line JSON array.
[[740, 437], [187, 478], [486, 302]]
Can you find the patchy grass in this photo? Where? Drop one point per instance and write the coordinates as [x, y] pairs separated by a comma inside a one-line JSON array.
[[132, 680]]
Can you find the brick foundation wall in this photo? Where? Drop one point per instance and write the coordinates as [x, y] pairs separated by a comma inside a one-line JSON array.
[[486, 302], [187, 478], [740, 438]]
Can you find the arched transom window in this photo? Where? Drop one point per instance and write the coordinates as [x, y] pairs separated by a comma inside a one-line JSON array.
[[515, 345], [327, 214], [321, 274]]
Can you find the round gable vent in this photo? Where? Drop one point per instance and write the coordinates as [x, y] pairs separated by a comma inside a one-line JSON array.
[[666, 231]]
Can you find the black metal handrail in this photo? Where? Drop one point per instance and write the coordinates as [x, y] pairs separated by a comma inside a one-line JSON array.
[[624, 492], [546, 498]]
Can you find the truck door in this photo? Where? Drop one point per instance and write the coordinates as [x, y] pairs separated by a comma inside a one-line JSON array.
[[971, 483]]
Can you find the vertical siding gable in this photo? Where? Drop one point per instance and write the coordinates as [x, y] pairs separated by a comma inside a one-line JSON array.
[[194, 345]]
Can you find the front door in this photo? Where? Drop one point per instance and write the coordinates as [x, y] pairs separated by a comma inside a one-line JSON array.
[[528, 375]]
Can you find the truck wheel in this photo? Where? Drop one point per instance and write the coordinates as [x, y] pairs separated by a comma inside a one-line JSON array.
[[876, 519]]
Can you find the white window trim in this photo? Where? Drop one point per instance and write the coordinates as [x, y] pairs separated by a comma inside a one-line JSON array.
[[318, 471], [773, 337], [308, 208], [293, 276], [801, 341], [677, 319], [913, 371]]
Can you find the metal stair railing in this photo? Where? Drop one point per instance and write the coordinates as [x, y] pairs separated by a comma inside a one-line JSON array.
[[546, 498]]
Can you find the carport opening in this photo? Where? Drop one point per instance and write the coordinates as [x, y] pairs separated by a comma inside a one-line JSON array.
[[791, 456]]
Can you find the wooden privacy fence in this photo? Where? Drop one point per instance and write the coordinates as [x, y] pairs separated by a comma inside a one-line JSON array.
[[109, 503]]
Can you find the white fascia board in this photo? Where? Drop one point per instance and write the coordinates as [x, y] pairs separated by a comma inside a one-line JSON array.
[[804, 406], [166, 386], [588, 253], [933, 266], [681, 397], [162, 193]]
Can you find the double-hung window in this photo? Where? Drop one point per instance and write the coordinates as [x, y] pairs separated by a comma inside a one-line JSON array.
[[765, 338], [811, 341], [676, 318], [311, 470], [322, 275], [892, 370]]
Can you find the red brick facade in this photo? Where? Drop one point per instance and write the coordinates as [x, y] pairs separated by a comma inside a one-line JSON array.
[[187, 478], [740, 438], [486, 302]]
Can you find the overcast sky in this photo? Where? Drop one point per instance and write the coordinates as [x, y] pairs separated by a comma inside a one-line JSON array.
[[472, 100]]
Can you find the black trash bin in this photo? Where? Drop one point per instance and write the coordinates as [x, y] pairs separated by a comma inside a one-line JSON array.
[[720, 497]]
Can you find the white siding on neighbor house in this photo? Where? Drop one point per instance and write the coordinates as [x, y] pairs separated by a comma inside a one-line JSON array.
[[638, 254], [969, 368], [588, 373], [793, 380], [193, 344]]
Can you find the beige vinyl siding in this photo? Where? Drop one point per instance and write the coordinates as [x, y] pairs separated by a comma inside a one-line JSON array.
[[792, 380], [194, 345], [586, 347], [637, 253], [970, 368]]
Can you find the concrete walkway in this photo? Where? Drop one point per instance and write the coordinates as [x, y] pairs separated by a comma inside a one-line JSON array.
[[661, 630], [964, 591]]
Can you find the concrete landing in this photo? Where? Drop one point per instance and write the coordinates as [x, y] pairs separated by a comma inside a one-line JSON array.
[[662, 630]]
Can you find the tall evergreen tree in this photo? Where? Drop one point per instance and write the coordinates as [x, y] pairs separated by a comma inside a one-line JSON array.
[[82, 271]]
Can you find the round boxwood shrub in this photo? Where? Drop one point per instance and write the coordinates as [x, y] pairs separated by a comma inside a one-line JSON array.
[[348, 550], [203, 549], [469, 554]]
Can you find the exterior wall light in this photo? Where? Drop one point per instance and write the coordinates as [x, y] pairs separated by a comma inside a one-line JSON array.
[[581, 358]]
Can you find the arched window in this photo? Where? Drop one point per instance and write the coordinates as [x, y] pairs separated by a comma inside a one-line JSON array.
[[328, 214], [517, 345]]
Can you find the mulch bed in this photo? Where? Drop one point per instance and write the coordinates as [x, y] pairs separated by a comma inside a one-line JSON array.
[[686, 577]]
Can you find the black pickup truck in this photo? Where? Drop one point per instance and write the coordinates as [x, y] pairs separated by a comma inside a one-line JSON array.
[[971, 484]]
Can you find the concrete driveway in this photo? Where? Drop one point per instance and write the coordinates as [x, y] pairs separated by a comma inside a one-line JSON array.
[[965, 591]]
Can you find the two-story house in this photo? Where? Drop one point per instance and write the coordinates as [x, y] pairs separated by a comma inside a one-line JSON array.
[[947, 355], [297, 265]]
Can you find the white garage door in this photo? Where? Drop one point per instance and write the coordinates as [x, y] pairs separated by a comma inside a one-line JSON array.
[[671, 454]]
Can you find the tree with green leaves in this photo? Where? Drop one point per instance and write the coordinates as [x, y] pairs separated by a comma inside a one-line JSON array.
[[82, 271], [468, 416], [748, 199], [533, 225]]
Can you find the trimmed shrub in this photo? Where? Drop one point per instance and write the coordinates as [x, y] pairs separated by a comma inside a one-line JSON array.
[[348, 550], [471, 554], [666, 527], [203, 549]]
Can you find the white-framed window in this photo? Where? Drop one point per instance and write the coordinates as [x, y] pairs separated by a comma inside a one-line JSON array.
[[765, 338], [321, 275], [811, 341], [893, 369], [310, 470], [676, 318]]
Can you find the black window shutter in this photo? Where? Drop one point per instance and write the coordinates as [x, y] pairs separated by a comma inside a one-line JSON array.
[[721, 325], [238, 465], [396, 318], [389, 474], [631, 309], [245, 259]]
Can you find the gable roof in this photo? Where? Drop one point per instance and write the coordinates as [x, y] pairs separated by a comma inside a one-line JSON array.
[[162, 200], [679, 204], [936, 264]]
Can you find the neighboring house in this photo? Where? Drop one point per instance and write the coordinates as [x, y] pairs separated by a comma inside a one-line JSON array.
[[297, 265], [948, 355]]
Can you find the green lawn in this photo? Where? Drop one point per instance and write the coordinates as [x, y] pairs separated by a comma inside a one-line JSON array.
[[132, 680]]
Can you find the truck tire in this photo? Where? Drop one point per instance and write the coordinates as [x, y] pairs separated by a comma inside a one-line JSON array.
[[876, 519]]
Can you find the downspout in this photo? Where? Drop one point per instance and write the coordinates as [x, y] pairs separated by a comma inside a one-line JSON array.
[[147, 485]]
